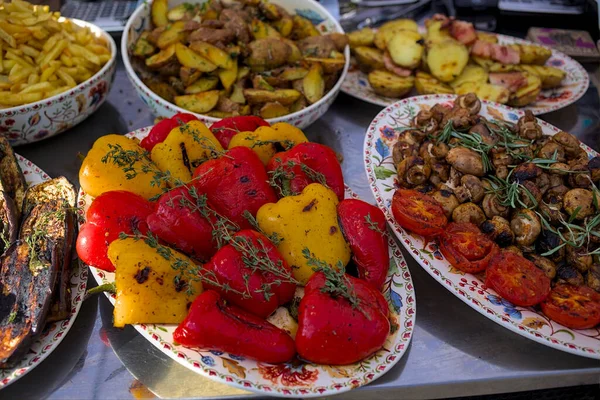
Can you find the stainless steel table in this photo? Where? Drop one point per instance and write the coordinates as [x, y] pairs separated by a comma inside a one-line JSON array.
[[455, 351]]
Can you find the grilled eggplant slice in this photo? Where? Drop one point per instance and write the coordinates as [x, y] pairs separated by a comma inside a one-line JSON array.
[[53, 189], [9, 222], [11, 176]]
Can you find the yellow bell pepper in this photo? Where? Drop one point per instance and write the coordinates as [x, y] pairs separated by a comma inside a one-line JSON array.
[[265, 138], [185, 148], [116, 162], [308, 220], [149, 289]]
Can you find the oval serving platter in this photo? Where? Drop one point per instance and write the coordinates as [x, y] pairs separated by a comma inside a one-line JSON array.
[[296, 379], [573, 87], [381, 174], [54, 332]]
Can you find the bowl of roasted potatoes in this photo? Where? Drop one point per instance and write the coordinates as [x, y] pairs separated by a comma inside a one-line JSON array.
[[282, 60], [54, 71], [448, 56]]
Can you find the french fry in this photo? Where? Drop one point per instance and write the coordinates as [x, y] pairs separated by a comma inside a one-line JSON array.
[[54, 53], [13, 99], [66, 78], [37, 87]]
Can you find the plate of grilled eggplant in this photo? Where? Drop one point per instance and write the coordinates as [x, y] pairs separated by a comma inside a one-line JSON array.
[[41, 289]]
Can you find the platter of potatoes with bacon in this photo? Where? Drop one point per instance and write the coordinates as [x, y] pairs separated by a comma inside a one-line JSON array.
[[448, 56]]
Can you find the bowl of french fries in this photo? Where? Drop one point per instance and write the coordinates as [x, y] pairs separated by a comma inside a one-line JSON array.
[[282, 60], [54, 71]]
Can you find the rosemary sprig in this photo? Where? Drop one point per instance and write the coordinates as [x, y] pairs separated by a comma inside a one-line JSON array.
[[472, 141], [508, 192]]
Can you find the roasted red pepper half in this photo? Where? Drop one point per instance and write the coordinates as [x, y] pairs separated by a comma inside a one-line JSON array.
[[363, 226], [235, 183], [161, 130], [213, 324], [181, 221], [332, 331], [304, 164], [227, 128], [244, 265], [110, 214]]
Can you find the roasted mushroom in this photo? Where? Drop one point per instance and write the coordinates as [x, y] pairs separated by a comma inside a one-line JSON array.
[[413, 171], [525, 172], [579, 203], [569, 274], [401, 150], [439, 110], [460, 117], [498, 229], [552, 151], [426, 123], [556, 194], [550, 245], [530, 194], [592, 278], [468, 212], [552, 212], [544, 264], [568, 142], [579, 258], [528, 127], [447, 200], [594, 168], [466, 161], [471, 189], [470, 102], [492, 207], [514, 249], [581, 179], [440, 172], [542, 182], [526, 226]]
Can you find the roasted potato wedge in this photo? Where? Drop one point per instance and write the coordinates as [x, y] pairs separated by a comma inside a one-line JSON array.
[[142, 47], [528, 93], [532, 54], [471, 73], [406, 49], [387, 84], [403, 24], [198, 102], [303, 28], [487, 37], [551, 77], [293, 73], [284, 26], [273, 110], [368, 58], [314, 84], [329, 65], [261, 30], [159, 11], [428, 84], [175, 33], [485, 91], [283, 96], [363, 37], [189, 75], [237, 94], [228, 76], [447, 59], [162, 89], [190, 58], [214, 54], [161, 58], [202, 85]]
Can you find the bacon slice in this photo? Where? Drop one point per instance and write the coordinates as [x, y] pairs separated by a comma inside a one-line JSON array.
[[394, 68], [497, 52], [510, 80], [463, 31]]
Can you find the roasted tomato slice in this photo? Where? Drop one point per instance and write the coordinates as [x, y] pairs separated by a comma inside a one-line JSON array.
[[576, 307], [466, 247], [418, 213], [517, 279]]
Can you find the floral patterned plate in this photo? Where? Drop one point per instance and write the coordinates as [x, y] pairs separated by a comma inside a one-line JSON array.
[[573, 86], [54, 332], [296, 379], [381, 173]]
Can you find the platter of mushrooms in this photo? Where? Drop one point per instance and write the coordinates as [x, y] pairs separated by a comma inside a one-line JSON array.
[[499, 207]]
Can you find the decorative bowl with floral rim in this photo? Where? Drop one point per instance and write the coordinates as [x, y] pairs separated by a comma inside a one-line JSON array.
[[54, 332], [573, 86], [529, 322], [312, 10], [296, 379], [48, 117]]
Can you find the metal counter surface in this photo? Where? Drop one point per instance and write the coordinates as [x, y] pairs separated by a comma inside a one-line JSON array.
[[455, 351]]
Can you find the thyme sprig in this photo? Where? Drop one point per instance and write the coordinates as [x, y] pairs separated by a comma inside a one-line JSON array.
[[280, 177], [373, 225], [127, 159]]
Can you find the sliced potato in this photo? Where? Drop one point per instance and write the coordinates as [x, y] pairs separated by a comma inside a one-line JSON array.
[[162, 89], [428, 84], [198, 102], [161, 58], [191, 59], [363, 37], [177, 13], [142, 47], [262, 30], [368, 58], [214, 54], [293, 73], [284, 26], [527, 93], [273, 110], [390, 85], [471, 73], [303, 28], [283, 96], [237, 94], [551, 77], [174, 33], [485, 91], [436, 33], [404, 24], [329, 65], [228, 76], [487, 37], [259, 82], [406, 49], [189, 75], [159, 11], [532, 54], [243, 72], [447, 59], [314, 84], [202, 85]]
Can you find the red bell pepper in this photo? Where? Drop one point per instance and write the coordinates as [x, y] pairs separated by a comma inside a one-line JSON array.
[[177, 221], [363, 226], [229, 265], [331, 331], [235, 183], [213, 324], [161, 130], [110, 214], [304, 164], [227, 128]]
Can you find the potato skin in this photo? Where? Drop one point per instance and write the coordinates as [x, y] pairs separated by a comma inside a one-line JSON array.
[[368, 58], [447, 59], [528, 93], [268, 53], [363, 37], [387, 84], [532, 54]]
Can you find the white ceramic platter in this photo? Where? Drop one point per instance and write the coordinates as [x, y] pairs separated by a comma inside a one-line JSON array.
[[381, 173], [54, 332], [297, 379], [573, 86]]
